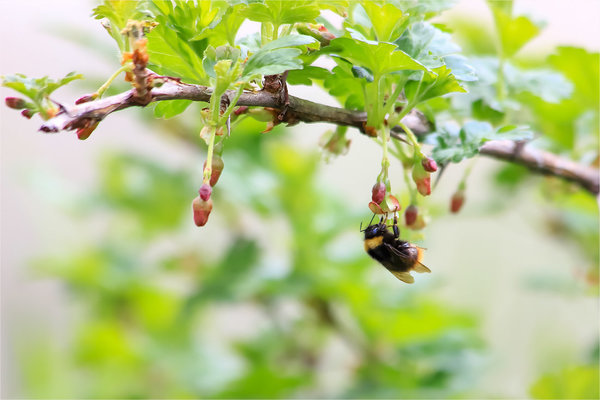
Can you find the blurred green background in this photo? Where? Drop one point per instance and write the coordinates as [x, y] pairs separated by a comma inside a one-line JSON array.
[[110, 291]]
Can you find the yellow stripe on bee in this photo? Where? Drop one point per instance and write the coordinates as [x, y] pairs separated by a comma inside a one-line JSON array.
[[372, 243], [419, 254]]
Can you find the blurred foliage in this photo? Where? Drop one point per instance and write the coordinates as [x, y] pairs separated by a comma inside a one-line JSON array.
[[170, 320]]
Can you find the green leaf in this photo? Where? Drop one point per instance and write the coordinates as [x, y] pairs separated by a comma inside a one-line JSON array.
[[224, 30], [212, 56], [37, 88], [580, 382], [379, 58], [386, 19], [289, 41], [307, 75], [117, 12], [343, 85], [279, 12], [514, 32], [582, 68], [453, 145], [272, 62], [551, 86], [170, 108], [426, 43], [169, 55], [436, 84]]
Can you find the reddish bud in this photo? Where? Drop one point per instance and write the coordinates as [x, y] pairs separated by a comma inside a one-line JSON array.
[[86, 98], [419, 223], [85, 131], [390, 204], [27, 113], [410, 215], [217, 166], [201, 210], [205, 191], [241, 110], [16, 103], [429, 164], [421, 179], [378, 192], [424, 186], [457, 201]]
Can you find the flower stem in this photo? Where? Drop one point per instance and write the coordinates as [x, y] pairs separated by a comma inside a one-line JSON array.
[[209, 156], [127, 67]]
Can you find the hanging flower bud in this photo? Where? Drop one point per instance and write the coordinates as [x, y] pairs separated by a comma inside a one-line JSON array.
[[410, 215], [390, 204], [15, 103], [201, 210], [217, 166], [419, 223], [422, 179], [429, 164], [378, 192], [27, 113], [205, 191], [457, 201]]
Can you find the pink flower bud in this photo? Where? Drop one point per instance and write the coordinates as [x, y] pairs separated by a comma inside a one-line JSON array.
[[378, 192], [419, 223], [15, 102], [217, 166], [27, 113], [86, 98], [201, 210], [422, 179], [241, 110], [390, 204], [410, 215], [457, 201], [205, 191], [429, 164], [424, 186]]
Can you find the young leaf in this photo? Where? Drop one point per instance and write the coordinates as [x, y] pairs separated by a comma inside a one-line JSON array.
[[386, 20], [513, 32], [279, 12], [307, 75], [37, 89], [439, 83], [277, 56], [380, 58], [170, 108], [117, 12], [272, 62]]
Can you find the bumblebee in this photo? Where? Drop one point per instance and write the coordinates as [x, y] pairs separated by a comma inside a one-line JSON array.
[[398, 256]]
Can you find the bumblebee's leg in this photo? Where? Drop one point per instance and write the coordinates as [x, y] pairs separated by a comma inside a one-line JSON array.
[[395, 227]]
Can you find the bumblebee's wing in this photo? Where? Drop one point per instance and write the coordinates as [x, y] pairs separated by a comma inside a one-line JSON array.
[[403, 276], [421, 268]]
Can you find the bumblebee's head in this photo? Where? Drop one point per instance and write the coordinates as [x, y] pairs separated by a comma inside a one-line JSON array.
[[375, 230]]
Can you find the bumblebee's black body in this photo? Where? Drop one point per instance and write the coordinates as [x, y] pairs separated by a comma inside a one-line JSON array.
[[398, 256]]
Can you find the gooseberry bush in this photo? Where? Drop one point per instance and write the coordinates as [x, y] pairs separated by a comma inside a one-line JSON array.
[[399, 77]]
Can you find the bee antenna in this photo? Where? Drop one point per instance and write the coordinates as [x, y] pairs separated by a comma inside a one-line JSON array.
[[361, 229]]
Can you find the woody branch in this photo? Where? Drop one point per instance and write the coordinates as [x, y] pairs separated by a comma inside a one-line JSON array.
[[301, 110]]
